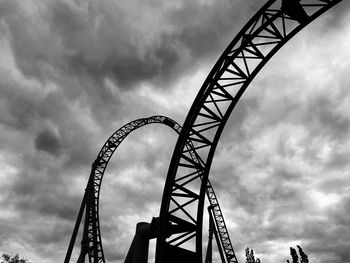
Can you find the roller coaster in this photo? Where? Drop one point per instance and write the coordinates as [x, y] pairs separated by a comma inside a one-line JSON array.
[[178, 229], [92, 242]]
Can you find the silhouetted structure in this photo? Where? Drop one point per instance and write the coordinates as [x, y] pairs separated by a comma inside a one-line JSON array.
[[250, 257], [301, 258], [15, 259], [182, 204], [138, 252], [293, 253], [266, 32], [294, 9], [91, 243]]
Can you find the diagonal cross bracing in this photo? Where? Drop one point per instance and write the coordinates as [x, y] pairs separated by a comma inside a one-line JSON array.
[[266, 32], [92, 241]]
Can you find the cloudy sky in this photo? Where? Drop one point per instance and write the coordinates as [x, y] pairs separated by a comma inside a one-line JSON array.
[[74, 71]]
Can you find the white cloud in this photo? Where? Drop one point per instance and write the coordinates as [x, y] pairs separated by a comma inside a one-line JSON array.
[[77, 71]]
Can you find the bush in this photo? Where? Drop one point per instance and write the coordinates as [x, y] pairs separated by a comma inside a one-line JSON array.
[[8, 259]]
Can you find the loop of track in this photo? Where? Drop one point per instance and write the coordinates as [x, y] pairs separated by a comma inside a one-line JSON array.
[[92, 240]]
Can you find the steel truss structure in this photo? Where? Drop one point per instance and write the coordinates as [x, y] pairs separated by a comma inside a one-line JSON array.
[[187, 179], [183, 197], [92, 241]]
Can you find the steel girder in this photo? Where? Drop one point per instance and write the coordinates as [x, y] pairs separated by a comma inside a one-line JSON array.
[[183, 197], [220, 226], [92, 241], [91, 244]]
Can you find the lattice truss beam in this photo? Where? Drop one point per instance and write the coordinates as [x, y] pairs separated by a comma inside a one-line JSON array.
[[220, 225], [183, 198], [92, 241]]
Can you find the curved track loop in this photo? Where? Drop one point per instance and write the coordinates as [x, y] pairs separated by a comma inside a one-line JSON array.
[[183, 197], [92, 242]]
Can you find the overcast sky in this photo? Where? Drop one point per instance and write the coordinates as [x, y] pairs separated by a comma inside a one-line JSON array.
[[74, 71]]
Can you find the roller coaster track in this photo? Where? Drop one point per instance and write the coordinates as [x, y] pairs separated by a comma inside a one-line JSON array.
[[92, 241], [183, 197]]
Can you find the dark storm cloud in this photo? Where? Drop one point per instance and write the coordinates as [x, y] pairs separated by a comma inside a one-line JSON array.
[[45, 194], [19, 110], [205, 30], [95, 39], [27, 112], [69, 89], [109, 50], [339, 160], [45, 212], [49, 142]]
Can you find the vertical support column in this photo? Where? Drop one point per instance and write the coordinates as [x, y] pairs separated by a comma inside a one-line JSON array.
[[75, 231], [138, 252], [209, 255], [215, 231]]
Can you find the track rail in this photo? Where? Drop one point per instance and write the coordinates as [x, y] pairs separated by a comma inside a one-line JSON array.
[[183, 197], [92, 241]]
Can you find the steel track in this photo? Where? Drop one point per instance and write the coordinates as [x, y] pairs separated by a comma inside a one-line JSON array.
[[183, 197], [92, 240]]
